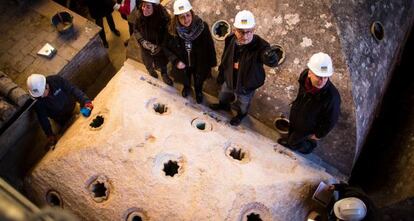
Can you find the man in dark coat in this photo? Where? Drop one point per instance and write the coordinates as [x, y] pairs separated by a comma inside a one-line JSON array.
[[100, 9], [241, 67], [190, 48], [55, 98], [316, 108], [351, 203]]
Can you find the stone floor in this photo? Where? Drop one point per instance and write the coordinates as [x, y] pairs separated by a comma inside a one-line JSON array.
[[117, 53]]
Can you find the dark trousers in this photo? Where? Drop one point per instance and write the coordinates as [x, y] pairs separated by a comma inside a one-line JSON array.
[[111, 24], [241, 102], [198, 80], [154, 61], [301, 142]]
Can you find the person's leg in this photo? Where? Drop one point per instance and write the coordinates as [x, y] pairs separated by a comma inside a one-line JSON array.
[[149, 63], [198, 87], [242, 105], [301, 143], [111, 25], [226, 96], [131, 31], [186, 82], [161, 62], [99, 22]]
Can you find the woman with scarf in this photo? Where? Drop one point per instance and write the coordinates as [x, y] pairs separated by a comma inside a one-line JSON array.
[[190, 48], [150, 28]]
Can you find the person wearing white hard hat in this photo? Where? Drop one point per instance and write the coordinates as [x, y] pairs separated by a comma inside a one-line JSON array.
[[55, 98], [351, 204], [241, 70], [151, 26], [316, 108], [190, 48]]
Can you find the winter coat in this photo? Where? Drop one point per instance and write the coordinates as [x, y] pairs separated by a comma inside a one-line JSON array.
[[203, 52], [152, 28], [251, 74], [344, 191], [126, 7], [100, 8], [59, 103], [314, 113]]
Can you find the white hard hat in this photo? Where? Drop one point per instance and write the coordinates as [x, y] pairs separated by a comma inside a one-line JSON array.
[[181, 7], [36, 83], [152, 1], [321, 64], [244, 20], [350, 209]]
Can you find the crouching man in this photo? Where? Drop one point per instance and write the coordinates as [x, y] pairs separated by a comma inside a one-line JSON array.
[[55, 98]]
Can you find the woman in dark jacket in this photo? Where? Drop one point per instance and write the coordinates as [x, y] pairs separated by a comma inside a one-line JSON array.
[[190, 48], [150, 28]]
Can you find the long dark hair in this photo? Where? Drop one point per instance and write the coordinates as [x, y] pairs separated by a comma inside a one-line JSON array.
[[157, 15], [173, 23], [152, 27]]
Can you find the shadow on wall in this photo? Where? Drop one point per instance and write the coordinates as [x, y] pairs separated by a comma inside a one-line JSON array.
[[384, 169]]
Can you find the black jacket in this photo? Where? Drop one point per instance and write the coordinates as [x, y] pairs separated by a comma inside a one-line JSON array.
[[59, 103], [251, 74], [152, 28], [344, 191], [100, 8], [314, 113], [203, 53]]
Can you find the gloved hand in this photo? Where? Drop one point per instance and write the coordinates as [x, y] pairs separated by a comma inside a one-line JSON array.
[[147, 45], [87, 109], [89, 105], [117, 6], [155, 49], [51, 142], [272, 55]]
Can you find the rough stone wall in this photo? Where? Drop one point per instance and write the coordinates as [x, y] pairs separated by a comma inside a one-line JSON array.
[[104, 173], [25, 28], [340, 28], [302, 28], [370, 62], [28, 27]]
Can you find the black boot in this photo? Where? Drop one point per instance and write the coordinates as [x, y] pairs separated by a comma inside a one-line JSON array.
[[220, 106], [116, 32], [186, 91], [235, 121], [167, 79], [283, 141], [199, 97], [153, 73]]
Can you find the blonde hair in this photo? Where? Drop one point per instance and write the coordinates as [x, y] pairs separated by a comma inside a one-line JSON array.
[[173, 23]]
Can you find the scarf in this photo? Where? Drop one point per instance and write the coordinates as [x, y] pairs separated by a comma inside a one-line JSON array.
[[193, 31], [309, 88]]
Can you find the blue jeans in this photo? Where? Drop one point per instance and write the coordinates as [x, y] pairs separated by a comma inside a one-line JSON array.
[[241, 101]]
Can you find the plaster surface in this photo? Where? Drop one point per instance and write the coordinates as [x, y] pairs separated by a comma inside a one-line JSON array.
[[129, 152], [363, 66]]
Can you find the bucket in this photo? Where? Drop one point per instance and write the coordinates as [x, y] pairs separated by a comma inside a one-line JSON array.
[[63, 22], [282, 125]]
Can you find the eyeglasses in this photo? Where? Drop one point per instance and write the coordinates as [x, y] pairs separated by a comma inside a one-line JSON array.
[[244, 31]]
